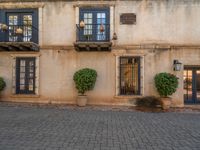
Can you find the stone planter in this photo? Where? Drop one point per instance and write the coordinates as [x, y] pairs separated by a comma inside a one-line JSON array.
[[166, 102], [82, 100]]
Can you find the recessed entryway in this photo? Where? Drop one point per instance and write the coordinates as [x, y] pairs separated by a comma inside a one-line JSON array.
[[192, 84]]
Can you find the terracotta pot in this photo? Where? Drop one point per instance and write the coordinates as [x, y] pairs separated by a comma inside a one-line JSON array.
[[102, 28], [4, 27], [82, 24], [114, 36], [166, 102], [82, 100], [19, 31]]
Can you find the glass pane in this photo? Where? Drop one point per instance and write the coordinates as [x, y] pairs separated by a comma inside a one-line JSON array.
[[89, 15], [88, 18], [22, 75], [27, 28], [22, 87], [27, 20], [188, 85], [30, 82], [22, 69], [87, 32], [129, 68], [198, 85], [85, 15], [12, 22], [31, 63], [31, 75], [31, 69], [103, 15], [98, 15], [22, 81], [22, 63], [101, 27], [30, 87]]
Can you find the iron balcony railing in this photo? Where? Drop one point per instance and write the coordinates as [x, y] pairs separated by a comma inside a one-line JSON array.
[[18, 33], [93, 33]]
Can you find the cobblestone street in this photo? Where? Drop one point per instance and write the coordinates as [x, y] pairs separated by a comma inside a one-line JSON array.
[[53, 128]]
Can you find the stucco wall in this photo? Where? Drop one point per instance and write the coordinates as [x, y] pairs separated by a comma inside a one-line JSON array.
[[167, 21], [157, 22], [160, 21], [58, 66]]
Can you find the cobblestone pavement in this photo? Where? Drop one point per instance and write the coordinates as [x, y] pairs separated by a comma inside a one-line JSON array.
[[53, 128]]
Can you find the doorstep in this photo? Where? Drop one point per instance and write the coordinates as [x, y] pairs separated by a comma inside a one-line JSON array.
[[192, 106], [24, 96]]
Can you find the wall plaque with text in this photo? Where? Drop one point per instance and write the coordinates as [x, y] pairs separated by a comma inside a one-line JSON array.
[[128, 18]]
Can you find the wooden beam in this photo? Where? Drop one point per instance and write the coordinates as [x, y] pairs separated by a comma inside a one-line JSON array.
[[19, 46]]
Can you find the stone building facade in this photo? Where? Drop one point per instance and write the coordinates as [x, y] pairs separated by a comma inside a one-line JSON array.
[[127, 42]]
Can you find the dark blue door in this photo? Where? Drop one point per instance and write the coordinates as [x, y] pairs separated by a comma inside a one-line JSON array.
[[97, 27], [192, 85], [25, 75]]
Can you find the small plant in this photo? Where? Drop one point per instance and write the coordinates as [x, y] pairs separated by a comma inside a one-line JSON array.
[[166, 84], [85, 80], [148, 101], [2, 84]]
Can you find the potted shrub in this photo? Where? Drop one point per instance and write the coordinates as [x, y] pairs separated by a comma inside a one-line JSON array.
[[2, 84], [166, 84], [84, 80]]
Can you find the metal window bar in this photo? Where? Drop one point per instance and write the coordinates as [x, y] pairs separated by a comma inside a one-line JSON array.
[[129, 76], [92, 33], [12, 34]]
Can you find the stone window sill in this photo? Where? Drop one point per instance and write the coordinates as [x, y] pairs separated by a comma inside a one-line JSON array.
[[127, 96], [25, 96]]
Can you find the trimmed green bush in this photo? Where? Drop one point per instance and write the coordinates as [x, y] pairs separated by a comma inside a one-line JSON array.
[[2, 84], [166, 84], [148, 101], [85, 80]]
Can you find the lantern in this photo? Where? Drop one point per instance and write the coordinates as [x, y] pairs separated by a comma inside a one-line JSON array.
[[114, 36], [177, 65]]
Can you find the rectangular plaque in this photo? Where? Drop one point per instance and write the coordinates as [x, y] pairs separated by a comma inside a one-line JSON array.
[[128, 18]]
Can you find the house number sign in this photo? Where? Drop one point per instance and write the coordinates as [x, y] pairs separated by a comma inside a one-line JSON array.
[[128, 18]]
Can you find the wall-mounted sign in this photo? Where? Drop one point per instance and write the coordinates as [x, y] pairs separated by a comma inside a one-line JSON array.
[[128, 18]]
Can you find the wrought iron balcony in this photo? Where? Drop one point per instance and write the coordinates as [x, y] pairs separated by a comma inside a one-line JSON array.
[[93, 37], [18, 38], [93, 33]]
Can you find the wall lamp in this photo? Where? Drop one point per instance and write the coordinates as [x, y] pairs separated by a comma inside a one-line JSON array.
[[177, 65]]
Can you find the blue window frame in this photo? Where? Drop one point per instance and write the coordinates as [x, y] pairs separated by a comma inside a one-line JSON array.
[[25, 75], [97, 24], [25, 19]]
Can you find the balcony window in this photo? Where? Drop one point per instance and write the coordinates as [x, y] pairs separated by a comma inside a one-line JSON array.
[[23, 22], [21, 27], [97, 27]]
